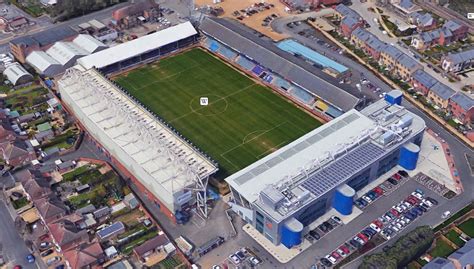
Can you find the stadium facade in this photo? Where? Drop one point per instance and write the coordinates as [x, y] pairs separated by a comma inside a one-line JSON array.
[[289, 189]]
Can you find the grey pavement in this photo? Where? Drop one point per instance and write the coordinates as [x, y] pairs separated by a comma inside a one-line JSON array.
[[14, 248]]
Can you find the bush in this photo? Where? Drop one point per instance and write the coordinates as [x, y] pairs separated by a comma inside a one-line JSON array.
[[406, 249]]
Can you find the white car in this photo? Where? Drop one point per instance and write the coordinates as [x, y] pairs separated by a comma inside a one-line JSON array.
[[234, 259], [407, 220], [375, 227], [367, 199], [407, 204], [398, 208], [399, 226], [417, 195], [394, 228], [254, 261], [340, 252], [331, 259], [446, 214], [427, 202], [385, 235]]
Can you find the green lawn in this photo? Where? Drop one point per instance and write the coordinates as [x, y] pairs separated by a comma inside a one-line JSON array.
[[453, 236], [467, 227], [243, 122], [442, 249]]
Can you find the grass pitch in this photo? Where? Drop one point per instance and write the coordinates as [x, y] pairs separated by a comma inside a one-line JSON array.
[[243, 121]]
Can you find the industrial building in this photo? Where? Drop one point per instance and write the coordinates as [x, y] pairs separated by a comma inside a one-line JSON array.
[[145, 49], [291, 188], [158, 160], [17, 74]]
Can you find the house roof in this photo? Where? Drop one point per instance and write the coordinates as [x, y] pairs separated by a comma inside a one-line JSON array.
[[443, 91], [111, 229], [465, 101], [65, 232], [439, 263], [50, 207], [375, 43], [361, 34], [37, 187], [392, 52], [452, 25], [346, 11], [424, 78], [428, 37], [44, 127], [151, 244], [464, 255], [23, 175], [85, 255], [241, 38], [408, 62], [460, 57], [350, 21]]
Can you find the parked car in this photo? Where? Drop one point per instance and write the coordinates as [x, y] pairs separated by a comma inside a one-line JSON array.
[[30, 258], [331, 259], [47, 253], [53, 260], [234, 259], [336, 219], [433, 201], [254, 261], [45, 245], [314, 234], [374, 227], [392, 181], [326, 262]]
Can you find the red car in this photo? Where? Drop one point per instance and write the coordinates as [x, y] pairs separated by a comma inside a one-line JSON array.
[[378, 190], [336, 255], [378, 223], [395, 212], [397, 176], [363, 237], [344, 249]]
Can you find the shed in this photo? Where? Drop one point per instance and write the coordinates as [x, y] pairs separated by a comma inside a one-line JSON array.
[[17, 74]]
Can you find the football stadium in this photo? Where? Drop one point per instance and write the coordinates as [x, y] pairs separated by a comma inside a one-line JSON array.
[[177, 107]]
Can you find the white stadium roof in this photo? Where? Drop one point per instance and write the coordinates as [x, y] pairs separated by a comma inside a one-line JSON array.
[[40, 60], [138, 46], [64, 52], [162, 161], [88, 43], [15, 72]]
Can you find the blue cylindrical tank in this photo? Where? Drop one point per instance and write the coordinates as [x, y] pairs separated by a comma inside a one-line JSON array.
[[291, 233], [409, 156], [344, 199], [394, 97]]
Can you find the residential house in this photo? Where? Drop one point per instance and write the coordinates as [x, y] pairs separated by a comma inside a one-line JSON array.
[[405, 66], [37, 188], [450, 32], [422, 81], [44, 136], [50, 208], [102, 213], [111, 231], [456, 62], [154, 250], [85, 256], [123, 264], [66, 166], [439, 95], [463, 258], [6, 134], [67, 235], [389, 56], [439, 263], [422, 21], [405, 6], [349, 24], [342, 11], [17, 153], [26, 118], [461, 106], [367, 42]]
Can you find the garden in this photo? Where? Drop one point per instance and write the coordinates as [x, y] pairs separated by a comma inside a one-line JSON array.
[[29, 99], [467, 227]]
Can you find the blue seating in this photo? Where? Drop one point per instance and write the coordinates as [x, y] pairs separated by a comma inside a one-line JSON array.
[[281, 83], [257, 70], [227, 53], [302, 95], [245, 63], [333, 112]]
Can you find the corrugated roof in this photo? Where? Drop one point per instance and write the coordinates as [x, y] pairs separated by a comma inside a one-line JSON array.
[[46, 37], [15, 72], [88, 43], [138, 46], [240, 38], [65, 52], [40, 60]]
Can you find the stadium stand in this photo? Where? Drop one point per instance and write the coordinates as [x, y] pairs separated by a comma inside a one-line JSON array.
[[302, 95], [257, 70], [281, 83], [245, 63], [265, 53], [227, 53], [144, 49]]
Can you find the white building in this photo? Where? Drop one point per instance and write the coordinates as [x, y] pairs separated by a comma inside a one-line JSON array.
[[66, 53], [89, 43], [44, 64], [17, 74]]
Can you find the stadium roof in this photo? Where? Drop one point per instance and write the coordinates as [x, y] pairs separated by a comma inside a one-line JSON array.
[[322, 159], [159, 158], [65, 52], [138, 46], [41, 61], [15, 73], [88, 43], [270, 56]]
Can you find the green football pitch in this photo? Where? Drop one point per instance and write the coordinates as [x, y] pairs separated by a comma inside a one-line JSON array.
[[243, 120]]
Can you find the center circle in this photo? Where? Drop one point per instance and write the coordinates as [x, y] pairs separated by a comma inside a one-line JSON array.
[[217, 105]]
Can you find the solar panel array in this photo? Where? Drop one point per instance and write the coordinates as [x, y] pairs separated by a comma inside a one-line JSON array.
[[323, 132], [338, 171]]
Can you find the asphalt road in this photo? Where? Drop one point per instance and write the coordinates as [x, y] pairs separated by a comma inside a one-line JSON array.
[[14, 248]]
